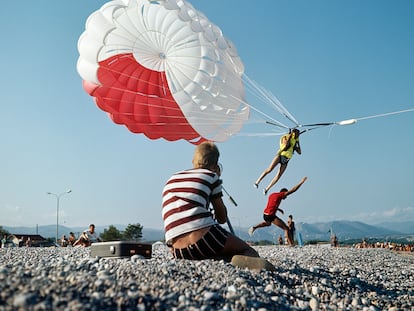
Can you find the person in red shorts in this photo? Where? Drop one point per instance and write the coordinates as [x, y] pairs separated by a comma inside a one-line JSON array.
[[269, 213]]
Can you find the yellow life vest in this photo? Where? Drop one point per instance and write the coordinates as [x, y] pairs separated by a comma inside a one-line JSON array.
[[288, 153]]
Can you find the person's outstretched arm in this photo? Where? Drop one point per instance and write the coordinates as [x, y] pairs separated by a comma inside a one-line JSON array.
[[295, 188]]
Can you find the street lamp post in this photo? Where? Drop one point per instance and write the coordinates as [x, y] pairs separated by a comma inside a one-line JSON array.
[[57, 210]]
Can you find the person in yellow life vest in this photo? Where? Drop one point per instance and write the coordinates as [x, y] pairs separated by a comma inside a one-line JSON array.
[[289, 143]]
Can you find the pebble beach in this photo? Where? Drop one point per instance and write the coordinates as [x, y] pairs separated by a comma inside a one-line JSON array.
[[307, 278]]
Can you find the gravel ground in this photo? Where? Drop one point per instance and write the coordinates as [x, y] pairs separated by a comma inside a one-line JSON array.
[[308, 278]]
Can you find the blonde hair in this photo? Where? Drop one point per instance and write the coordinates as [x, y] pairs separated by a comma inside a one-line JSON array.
[[206, 155]]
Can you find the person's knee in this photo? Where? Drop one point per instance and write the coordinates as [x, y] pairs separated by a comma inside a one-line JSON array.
[[280, 173], [283, 168]]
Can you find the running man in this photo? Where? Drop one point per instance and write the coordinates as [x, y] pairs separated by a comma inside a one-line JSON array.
[[269, 213]]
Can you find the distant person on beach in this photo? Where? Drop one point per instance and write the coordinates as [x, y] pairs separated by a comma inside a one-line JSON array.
[[4, 241], [334, 240], [292, 229], [64, 241], [289, 143], [269, 213], [88, 237], [192, 229], [280, 239], [28, 242], [72, 238]]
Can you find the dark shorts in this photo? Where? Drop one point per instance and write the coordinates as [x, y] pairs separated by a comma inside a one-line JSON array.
[[269, 218], [284, 160], [208, 247]]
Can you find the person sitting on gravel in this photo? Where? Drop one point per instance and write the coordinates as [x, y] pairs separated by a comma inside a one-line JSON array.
[[269, 213], [88, 237], [64, 241], [72, 238], [192, 229]]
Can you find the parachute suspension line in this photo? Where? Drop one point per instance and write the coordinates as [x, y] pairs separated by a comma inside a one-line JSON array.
[[269, 98], [349, 121], [276, 123], [258, 93], [260, 134], [283, 110], [385, 114]]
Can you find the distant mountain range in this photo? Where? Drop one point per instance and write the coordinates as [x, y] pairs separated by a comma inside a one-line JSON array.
[[344, 230]]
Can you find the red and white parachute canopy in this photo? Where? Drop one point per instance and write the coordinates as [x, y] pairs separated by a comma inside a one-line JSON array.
[[161, 68]]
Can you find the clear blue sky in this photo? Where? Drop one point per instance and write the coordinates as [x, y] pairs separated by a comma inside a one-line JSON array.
[[324, 60]]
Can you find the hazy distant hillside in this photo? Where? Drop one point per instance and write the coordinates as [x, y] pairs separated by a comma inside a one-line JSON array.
[[344, 230], [406, 227], [317, 231]]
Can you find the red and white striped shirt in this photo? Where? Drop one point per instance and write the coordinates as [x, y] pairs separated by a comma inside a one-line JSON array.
[[185, 201]]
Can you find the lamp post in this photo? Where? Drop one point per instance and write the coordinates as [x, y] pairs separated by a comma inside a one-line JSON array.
[[57, 210]]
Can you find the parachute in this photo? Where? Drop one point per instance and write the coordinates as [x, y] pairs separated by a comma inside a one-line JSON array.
[[161, 68]]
